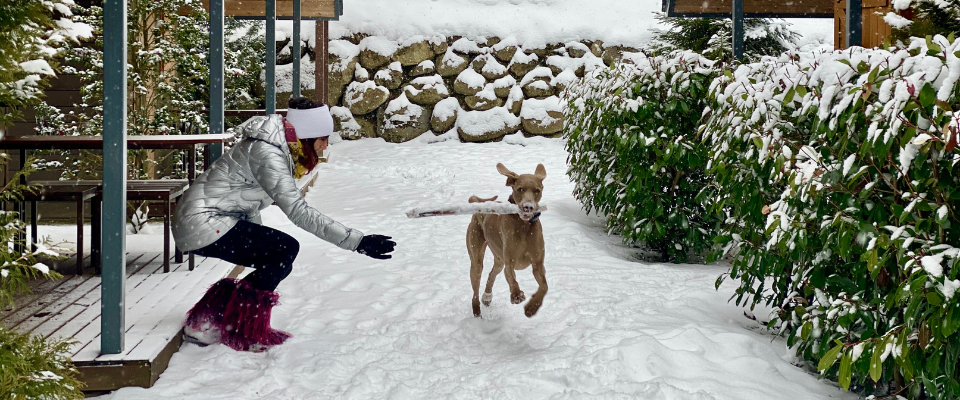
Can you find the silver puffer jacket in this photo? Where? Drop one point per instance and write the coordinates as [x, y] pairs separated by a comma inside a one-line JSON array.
[[252, 175]]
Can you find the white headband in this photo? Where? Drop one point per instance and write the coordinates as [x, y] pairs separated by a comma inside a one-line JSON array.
[[311, 123]]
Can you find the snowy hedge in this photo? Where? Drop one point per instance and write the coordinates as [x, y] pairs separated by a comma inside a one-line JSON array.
[[839, 171], [635, 154]]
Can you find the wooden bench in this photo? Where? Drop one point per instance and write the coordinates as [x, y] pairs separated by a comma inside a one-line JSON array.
[[165, 190], [72, 191]]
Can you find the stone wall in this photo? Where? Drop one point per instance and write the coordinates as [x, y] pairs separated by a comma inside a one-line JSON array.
[[483, 89]]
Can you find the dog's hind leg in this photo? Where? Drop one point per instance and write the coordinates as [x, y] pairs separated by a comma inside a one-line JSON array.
[[540, 274], [497, 267], [476, 247]]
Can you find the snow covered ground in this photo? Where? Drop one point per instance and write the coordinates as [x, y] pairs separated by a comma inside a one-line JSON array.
[[610, 327]]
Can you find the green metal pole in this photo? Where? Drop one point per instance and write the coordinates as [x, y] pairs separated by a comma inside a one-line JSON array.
[[216, 76], [854, 23], [295, 50], [271, 75], [113, 290], [737, 29]]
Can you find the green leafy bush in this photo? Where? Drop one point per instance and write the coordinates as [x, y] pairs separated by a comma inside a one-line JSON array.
[[838, 171], [634, 153]]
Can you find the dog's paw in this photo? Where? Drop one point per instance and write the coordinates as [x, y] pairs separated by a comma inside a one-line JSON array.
[[476, 307], [531, 309], [487, 298], [518, 297]]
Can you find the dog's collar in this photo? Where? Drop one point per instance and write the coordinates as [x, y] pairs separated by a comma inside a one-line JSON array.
[[535, 217]]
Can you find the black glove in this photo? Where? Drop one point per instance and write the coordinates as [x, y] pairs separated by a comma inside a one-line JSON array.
[[376, 246]]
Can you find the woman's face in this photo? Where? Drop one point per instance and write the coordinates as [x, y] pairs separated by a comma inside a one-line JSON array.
[[320, 145]]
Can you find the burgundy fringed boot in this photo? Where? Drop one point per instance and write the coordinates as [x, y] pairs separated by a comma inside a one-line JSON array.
[[236, 314]]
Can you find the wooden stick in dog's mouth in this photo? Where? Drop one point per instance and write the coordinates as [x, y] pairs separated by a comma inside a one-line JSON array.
[[490, 207]]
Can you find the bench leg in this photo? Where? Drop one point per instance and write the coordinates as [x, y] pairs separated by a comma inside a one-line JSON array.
[[166, 236], [80, 236], [191, 261], [95, 221], [33, 225], [177, 253]]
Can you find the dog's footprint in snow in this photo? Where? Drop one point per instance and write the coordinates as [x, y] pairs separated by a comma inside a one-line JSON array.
[[336, 279], [314, 325], [424, 295], [356, 286], [369, 324], [346, 314]]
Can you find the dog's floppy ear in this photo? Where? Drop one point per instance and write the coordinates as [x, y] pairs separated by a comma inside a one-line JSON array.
[[541, 172], [511, 176]]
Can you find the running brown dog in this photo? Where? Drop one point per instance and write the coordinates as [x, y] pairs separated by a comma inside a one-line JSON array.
[[516, 241]]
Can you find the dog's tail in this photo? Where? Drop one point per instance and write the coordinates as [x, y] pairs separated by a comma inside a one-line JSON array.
[[475, 199]]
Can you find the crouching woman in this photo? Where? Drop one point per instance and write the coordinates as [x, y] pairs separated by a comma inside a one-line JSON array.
[[219, 217]]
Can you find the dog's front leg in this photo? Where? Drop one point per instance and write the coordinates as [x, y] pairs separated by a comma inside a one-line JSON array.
[[497, 268], [540, 274], [516, 295]]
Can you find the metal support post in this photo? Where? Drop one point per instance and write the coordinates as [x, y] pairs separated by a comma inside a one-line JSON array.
[[112, 321]]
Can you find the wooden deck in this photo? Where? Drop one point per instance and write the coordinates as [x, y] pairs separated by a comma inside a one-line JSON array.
[[155, 302]]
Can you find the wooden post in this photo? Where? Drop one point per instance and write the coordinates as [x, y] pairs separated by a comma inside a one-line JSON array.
[[113, 290], [321, 50]]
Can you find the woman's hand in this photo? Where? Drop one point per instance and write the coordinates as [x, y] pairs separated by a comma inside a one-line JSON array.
[[376, 246]]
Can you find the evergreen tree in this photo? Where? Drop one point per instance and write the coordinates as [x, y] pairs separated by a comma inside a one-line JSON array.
[[30, 368], [714, 37], [928, 18], [30, 31]]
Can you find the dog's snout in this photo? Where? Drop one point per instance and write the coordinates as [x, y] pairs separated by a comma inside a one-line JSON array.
[[529, 207]]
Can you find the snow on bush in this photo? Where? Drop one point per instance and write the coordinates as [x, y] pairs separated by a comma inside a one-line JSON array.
[[838, 172], [634, 151]]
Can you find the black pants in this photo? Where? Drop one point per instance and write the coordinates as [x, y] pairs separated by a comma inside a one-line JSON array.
[[267, 250]]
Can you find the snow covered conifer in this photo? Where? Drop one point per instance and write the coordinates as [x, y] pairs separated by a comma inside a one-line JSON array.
[[922, 18], [30, 367], [713, 37], [30, 32]]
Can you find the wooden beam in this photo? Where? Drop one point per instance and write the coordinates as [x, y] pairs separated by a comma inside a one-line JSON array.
[[309, 9], [751, 8]]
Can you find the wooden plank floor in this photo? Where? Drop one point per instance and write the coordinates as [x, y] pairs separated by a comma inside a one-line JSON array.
[[156, 303]]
